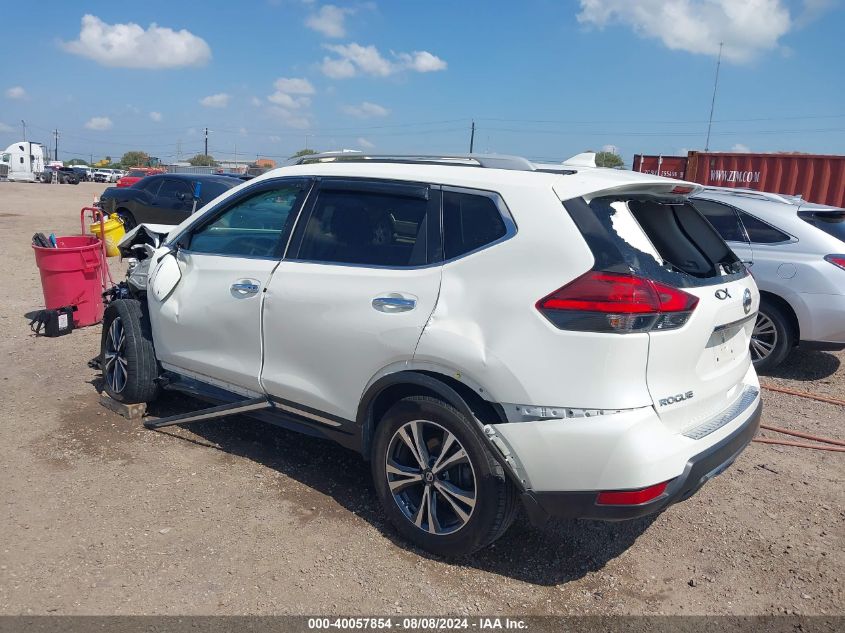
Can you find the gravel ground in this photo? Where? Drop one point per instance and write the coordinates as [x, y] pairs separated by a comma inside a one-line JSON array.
[[103, 517]]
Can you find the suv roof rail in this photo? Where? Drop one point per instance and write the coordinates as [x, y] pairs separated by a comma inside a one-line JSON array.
[[760, 195], [489, 161]]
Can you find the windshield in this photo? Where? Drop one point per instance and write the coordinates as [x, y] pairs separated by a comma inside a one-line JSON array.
[[831, 222]]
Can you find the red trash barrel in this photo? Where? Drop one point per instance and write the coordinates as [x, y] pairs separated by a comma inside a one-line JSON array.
[[71, 274]]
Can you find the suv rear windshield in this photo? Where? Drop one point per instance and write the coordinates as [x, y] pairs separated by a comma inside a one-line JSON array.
[[831, 222], [137, 173], [668, 241]]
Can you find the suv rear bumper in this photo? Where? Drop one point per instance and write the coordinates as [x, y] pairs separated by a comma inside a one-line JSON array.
[[698, 470]]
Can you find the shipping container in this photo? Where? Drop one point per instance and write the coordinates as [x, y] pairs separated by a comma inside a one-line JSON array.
[[816, 178], [667, 166]]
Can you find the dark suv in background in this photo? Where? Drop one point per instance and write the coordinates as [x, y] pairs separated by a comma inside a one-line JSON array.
[[164, 198]]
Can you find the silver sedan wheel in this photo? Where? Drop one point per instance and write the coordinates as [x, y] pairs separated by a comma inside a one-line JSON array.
[[115, 366], [431, 477], [764, 338]]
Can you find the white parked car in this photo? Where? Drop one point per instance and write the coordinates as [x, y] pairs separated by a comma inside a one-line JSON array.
[[103, 175], [796, 252], [483, 330]]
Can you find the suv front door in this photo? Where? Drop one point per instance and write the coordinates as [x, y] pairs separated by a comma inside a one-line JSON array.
[[209, 325], [353, 295]]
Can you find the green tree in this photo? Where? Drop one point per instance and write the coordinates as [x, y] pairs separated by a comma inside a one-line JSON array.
[[609, 159], [134, 158], [75, 161], [304, 152], [203, 160]]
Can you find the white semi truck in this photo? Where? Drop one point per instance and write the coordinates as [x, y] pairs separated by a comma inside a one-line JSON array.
[[22, 161]]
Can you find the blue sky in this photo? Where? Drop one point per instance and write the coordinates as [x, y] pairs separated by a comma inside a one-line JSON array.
[[541, 78]]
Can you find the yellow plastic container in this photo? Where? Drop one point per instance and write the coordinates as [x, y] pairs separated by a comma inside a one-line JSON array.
[[114, 233]]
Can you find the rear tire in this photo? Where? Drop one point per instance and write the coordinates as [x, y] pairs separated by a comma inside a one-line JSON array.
[[127, 356], [773, 337], [452, 497], [128, 219]]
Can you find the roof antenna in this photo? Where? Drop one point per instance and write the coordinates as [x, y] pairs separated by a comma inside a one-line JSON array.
[[713, 101]]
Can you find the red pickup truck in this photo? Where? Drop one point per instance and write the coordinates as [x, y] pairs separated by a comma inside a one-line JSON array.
[[137, 173]]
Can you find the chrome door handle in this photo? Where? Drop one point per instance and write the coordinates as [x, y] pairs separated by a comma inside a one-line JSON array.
[[394, 304], [246, 288]]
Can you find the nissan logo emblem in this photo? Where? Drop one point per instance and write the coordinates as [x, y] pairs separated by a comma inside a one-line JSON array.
[[723, 294], [746, 301]]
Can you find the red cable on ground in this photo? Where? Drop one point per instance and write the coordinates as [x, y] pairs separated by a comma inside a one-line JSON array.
[[804, 394], [766, 440], [806, 436]]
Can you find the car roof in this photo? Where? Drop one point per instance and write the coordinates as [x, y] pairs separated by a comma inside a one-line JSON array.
[[226, 180], [568, 179]]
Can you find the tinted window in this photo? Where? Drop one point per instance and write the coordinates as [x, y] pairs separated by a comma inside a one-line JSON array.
[[375, 229], [150, 185], [831, 222], [470, 221], [761, 233], [136, 173], [172, 188], [253, 227], [723, 218]]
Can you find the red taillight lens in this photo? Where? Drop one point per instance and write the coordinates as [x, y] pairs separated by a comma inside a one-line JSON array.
[[682, 189], [836, 260], [631, 497], [600, 301]]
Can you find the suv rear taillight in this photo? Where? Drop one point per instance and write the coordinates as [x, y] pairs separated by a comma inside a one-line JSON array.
[[600, 301], [836, 260]]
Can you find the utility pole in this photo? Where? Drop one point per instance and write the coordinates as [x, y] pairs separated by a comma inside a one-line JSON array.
[[56, 146], [23, 125], [306, 141], [206, 141], [472, 138], [713, 101]]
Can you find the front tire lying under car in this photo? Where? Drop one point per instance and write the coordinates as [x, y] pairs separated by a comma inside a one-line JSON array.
[[439, 485], [127, 357]]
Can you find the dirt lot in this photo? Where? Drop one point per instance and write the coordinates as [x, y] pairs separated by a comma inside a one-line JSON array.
[[103, 517]]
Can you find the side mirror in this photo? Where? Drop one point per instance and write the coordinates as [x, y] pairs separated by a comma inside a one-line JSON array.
[[182, 196], [165, 276]]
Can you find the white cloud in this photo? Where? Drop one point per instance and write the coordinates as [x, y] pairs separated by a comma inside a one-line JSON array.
[[99, 123], [155, 116], [329, 20], [747, 28], [220, 100], [353, 59], [291, 119], [131, 46], [256, 102], [6, 128], [422, 61], [16, 92], [291, 101], [294, 86], [739, 147], [365, 143], [274, 139], [366, 110]]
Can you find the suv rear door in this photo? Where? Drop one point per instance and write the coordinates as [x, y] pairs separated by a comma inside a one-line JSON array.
[[353, 294], [696, 370]]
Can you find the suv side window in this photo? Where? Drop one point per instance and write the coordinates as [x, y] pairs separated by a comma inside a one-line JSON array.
[[150, 185], [254, 226], [723, 218], [761, 233], [470, 221], [367, 226], [172, 188]]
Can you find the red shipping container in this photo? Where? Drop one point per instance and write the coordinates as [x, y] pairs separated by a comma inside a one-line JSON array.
[[667, 166], [816, 178]]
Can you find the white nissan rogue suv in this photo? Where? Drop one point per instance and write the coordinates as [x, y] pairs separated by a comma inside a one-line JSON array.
[[483, 329]]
